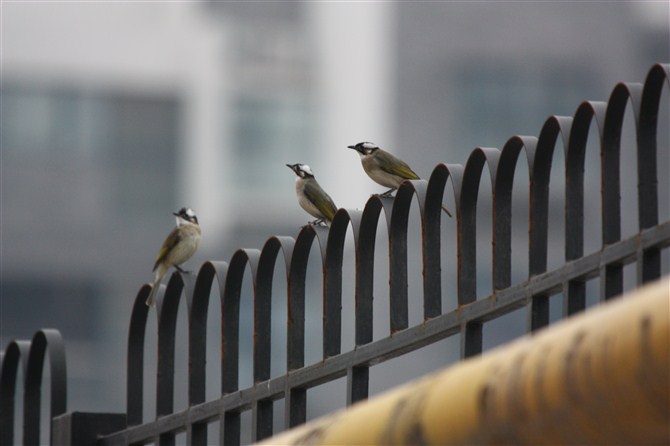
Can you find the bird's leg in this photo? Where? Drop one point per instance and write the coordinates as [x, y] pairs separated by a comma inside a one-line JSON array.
[[444, 208], [388, 193], [316, 222], [181, 270]]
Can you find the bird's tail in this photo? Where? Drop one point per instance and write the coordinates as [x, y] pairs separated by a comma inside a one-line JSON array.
[[444, 208], [160, 272]]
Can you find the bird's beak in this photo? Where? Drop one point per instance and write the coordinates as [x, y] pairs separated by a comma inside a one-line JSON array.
[[176, 214], [351, 147]]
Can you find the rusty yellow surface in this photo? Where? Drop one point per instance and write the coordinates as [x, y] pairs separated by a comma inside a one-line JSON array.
[[602, 377]]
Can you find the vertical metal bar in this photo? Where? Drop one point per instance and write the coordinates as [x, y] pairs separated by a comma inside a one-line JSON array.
[[196, 434], [431, 219], [261, 420], [574, 300], [168, 310], [197, 300], [610, 155], [15, 355], [539, 312], [501, 215], [649, 265], [263, 316], [262, 411], [471, 339], [167, 439], [231, 428], [198, 304], [647, 160], [398, 276], [364, 290], [32, 410], [574, 184], [364, 226], [357, 384], [135, 363], [230, 327], [295, 398], [295, 330], [611, 281], [574, 297], [467, 228], [647, 168], [264, 414], [466, 200], [296, 407], [44, 340], [332, 303], [539, 165], [472, 332], [332, 288]]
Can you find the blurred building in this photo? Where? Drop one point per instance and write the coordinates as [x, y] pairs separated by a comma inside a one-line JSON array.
[[116, 114]]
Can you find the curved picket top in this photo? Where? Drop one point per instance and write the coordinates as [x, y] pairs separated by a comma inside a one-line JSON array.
[[575, 155], [230, 314], [263, 300], [432, 278], [540, 160], [467, 227], [197, 325], [622, 95], [135, 364], [647, 128], [44, 341], [14, 357], [167, 312], [502, 206]]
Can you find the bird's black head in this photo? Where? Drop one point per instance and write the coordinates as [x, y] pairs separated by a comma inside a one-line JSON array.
[[365, 148], [186, 214], [302, 170]]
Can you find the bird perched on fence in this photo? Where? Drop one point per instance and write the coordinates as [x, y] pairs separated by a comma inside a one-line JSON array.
[[177, 248], [311, 197], [384, 168]]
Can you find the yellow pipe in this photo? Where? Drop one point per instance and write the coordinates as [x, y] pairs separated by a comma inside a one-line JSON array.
[[601, 377]]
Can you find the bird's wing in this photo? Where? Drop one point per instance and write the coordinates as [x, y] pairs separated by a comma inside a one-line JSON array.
[[321, 199], [395, 166], [168, 244]]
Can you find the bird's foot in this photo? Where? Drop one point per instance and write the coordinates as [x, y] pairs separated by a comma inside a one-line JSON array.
[[387, 194], [183, 271]]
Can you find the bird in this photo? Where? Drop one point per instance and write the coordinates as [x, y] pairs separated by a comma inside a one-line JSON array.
[[385, 168], [311, 197], [178, 247]]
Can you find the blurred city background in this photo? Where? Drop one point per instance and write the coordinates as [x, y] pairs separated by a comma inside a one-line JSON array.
[[115, 114]]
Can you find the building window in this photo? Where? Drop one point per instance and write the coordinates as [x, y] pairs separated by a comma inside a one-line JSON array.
[[131, 140]]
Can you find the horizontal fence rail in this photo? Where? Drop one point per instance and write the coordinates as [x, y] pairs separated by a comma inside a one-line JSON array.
[[467, 321]]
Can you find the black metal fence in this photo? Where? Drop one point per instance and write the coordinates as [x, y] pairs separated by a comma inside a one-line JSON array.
[[607, 264]]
